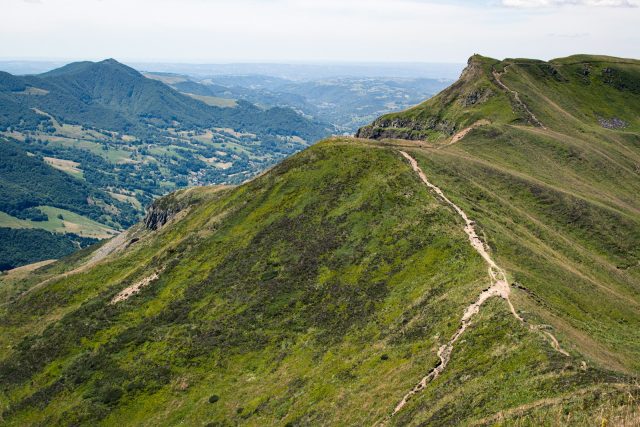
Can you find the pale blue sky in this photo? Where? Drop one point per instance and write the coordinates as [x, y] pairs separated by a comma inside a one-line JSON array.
[[316, 30]]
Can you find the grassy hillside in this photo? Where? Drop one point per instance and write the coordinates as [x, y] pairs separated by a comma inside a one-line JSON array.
[[555, 186], [565, 93], [323, 291], [474, 97]]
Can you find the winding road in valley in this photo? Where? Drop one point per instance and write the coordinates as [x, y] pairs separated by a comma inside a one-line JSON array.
[[499, 288]]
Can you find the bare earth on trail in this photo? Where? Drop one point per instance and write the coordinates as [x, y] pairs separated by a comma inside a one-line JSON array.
[[458, 136], [516, 95], [499, 288], [134, 289]]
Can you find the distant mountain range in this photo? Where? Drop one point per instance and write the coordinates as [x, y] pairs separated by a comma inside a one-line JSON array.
[[345, 102], [293, 71], [345, 95]]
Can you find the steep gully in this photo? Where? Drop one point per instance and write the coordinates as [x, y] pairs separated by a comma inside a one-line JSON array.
[[499, 288]]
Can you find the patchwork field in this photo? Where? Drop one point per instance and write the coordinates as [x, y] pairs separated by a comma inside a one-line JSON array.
[[61, 221]]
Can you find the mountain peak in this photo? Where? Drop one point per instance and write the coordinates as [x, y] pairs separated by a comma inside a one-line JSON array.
[[81, 67], [476, 58], [110, 61], [519, 91]]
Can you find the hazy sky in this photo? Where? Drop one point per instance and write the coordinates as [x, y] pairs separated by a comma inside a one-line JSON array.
[[316, 30]]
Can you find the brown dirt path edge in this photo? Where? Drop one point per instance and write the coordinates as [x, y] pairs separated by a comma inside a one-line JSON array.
[[532, 117], [499, 288], [460, 135]]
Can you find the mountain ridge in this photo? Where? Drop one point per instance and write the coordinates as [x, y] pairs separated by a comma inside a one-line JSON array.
[[111, 84], [328, 288], [480, 93]]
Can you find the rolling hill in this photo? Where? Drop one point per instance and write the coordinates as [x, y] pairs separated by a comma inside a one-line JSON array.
[[112, 96], [470, 261]]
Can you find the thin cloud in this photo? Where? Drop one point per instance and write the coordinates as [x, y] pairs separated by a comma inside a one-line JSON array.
[[569, 35], [530, 4]]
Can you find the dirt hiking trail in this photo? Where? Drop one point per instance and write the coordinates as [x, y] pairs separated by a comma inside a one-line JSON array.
[[458, 136], [499, 288], [532, 117], [135, 288]]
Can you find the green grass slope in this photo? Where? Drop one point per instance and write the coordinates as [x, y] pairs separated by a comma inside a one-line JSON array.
[[475, 96], [318, 293], [557, 197], [551, 176], [321, 292], [566, 93]]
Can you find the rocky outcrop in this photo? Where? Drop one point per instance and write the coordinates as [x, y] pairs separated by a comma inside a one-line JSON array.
[[612, 123], [401, 128], [440, 116], [159, 213], [476, 97]]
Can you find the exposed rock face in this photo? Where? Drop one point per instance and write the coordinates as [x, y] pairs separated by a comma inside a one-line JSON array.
[[476, 97], [612, 123], [586, 70], [158, 214], [608, 75], [422, 126], [410, 129]]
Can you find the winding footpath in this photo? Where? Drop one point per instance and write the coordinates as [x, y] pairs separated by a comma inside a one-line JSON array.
[[458, 136], [499, 288], [532, 117]]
